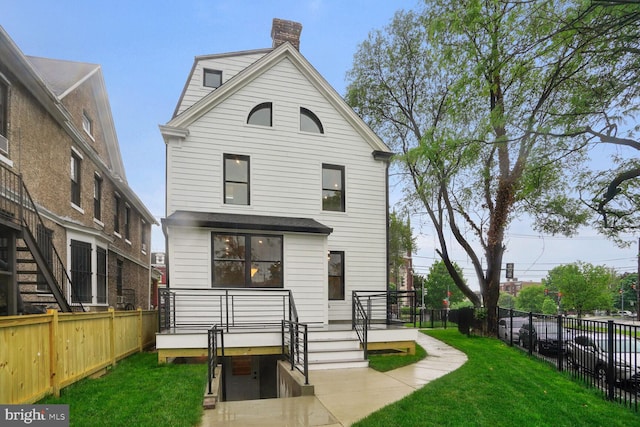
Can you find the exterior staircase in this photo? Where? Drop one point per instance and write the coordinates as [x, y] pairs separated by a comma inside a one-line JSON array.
[[41, 276], [335, 349]]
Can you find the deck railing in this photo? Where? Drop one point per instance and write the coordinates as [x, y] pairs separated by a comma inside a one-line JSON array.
[[389, 307], [262, 308]]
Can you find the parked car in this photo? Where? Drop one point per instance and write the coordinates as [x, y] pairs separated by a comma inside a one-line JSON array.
[[510, 326], [590, 352], [527, 335], [549, 343]]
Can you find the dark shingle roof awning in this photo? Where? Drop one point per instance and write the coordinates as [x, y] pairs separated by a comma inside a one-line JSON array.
[[246, 222]]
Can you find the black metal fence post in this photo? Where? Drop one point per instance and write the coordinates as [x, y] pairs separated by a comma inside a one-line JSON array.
[[561, 343], [530, 338], [611, 360]]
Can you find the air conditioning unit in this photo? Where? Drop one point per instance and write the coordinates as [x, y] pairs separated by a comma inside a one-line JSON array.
[[4, 145], [144, 247]]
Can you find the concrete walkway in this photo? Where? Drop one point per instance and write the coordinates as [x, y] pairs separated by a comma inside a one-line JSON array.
[[342, 396]]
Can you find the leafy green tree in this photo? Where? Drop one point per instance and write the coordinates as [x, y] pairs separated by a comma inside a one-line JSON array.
[[401, 245], [506, 300], [437, 283], [549, 306], [627, 283], [584, 287], [531, 298], [485, 102]]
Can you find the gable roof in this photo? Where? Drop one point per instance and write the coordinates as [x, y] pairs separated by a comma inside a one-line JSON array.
[[284, 51], [49, 81], [63, 77]]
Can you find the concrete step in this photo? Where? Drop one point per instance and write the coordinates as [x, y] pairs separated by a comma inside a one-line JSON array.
[[339, 364], [332, 335], [338, 354], [324, 344]]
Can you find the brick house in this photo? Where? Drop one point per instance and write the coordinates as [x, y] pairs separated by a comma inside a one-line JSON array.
[[73, 234]]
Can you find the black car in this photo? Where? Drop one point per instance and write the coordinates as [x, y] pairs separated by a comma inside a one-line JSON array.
[[528, 335], [549, 343]]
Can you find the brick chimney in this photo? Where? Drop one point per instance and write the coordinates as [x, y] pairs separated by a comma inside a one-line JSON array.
[[286, 31]]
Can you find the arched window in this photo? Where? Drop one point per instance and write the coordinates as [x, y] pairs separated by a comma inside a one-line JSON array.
[[309, 122], [261, 115]]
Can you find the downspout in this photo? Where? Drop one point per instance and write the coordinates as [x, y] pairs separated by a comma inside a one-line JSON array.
[[385, 156]]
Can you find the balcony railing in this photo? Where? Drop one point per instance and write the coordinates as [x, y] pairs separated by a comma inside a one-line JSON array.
[[262, 308]]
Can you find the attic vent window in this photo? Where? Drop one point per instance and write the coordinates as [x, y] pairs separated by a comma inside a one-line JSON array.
[[261, 115], [86, 123], [309, 122], [212, 78]]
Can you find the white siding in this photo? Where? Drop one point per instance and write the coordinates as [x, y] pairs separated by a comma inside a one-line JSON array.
[[305, 273], [229, 65], [189, 258], [286, 177]]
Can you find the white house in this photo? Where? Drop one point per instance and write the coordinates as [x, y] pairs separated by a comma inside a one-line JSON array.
[[272, 182]]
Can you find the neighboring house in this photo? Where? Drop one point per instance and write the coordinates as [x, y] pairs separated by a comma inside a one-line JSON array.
[[514, 286], [160, 272], [273, 182], [81, 241]]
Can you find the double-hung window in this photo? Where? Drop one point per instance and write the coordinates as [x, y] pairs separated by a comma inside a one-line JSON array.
[[97, 197], [76, 169], [333, 197], [247, 260], [81, 271], [127, 222], [116, 213], [236, 180], [4, 110], [336, 275]]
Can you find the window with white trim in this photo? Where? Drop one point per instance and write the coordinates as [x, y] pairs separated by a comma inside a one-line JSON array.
[[247, 260]]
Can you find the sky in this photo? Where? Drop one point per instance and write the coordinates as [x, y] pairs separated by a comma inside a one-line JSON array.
[[146, 50]]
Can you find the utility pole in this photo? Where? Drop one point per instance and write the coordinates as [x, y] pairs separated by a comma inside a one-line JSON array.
[[638, 284]]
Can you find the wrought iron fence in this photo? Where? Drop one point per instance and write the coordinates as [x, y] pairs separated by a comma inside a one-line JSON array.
[[602, 354]]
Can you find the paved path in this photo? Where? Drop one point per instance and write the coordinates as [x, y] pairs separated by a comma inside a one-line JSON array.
[[342, 396]]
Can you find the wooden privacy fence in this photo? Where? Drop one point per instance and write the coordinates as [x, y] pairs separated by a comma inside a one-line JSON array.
[[41, 354]]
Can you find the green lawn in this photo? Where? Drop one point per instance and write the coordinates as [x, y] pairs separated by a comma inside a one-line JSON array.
[[499, 386], [387, 362], [138, 392]]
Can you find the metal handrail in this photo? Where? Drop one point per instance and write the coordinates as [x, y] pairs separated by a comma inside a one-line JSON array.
[[295, 346], [360, 321], [212, 362], [14, 194], [293, 311], [390, 306]]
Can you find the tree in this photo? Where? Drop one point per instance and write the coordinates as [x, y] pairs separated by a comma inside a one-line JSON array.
[[584, 287], [484, 102], [439, 286], [506, 300], [531, 298], [401, 245], [549, 306], [614, 193], [627, 283]]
